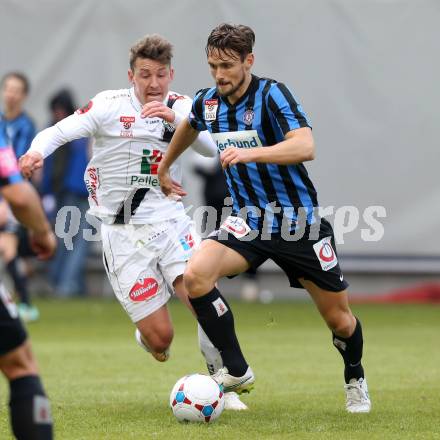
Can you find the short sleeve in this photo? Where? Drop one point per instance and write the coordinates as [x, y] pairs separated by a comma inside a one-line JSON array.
[[287, 111], [195, 116]]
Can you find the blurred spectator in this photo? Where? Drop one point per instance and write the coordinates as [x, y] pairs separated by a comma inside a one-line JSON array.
[[18, 126], [63, 185], [19, 131]]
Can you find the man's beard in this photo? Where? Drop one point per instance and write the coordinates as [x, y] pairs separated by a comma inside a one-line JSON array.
[[234, 89]]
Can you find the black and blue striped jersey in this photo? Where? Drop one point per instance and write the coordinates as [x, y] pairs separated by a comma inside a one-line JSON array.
[[261, 117]]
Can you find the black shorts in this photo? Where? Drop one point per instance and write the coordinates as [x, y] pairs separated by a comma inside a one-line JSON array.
[[12, 332], [314, 260]]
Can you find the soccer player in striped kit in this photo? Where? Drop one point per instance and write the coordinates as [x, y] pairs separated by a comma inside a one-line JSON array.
[[263, 137]]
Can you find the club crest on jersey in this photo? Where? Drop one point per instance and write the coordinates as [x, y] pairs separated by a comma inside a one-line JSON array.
[[211, 106], [84, 109], [325, 253], [248, 116], [127, 121]]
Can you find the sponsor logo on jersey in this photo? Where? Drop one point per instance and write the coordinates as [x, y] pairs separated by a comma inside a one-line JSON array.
[[144, 289], [127, 121], [238, 139], [144, 180], [175, 97], [211, 106], [92, 183], [325, 253], [187, 242], [84, 109], [248, 116]]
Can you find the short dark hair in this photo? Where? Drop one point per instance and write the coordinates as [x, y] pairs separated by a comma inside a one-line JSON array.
[[154, 47], [232, 39], [21, 77]]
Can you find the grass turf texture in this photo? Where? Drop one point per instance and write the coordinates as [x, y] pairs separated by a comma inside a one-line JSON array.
[[103, 386]]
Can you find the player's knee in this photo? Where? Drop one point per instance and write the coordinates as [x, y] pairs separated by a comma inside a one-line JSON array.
[[341, 323], [196, 283], [159, 340], [18, 363]]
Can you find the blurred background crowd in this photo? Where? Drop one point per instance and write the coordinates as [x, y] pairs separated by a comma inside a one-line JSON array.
[[60, 183]]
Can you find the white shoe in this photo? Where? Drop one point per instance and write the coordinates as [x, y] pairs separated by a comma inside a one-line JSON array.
[[243, 384], [233, 402], [161, 357], [358, 400]]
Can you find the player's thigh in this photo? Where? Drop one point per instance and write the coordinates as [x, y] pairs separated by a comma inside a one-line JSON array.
[[214, 260]]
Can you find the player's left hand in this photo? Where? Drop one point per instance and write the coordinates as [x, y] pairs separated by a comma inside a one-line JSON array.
[[156, 109], [232, 156]]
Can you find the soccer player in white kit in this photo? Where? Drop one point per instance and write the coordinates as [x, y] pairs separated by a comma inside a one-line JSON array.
[[147, 238]]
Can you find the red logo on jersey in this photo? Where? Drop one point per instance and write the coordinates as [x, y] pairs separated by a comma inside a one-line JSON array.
[[189, 240], [176, 97], [211, 104], [84, 109], [127, 121], [144, 289], [92, 183]]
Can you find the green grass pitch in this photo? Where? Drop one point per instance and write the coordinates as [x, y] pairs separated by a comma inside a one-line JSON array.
[[103, 387]]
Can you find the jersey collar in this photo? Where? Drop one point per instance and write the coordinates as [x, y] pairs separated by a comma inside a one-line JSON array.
[[134, 101]]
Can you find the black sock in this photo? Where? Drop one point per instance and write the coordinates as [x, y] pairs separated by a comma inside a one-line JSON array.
[[215, 317], [351, 351], [20, 281], [30, 410]]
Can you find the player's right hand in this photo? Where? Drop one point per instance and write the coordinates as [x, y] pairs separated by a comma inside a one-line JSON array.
[[30, 162], [170, 187], [43, 244]]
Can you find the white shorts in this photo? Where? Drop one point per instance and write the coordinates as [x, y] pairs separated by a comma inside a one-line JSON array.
[[142, 262]]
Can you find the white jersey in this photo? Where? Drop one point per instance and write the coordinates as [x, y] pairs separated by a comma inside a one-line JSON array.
[[121, 177]]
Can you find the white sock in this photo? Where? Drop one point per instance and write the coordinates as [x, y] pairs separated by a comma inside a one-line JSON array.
[[211, 354]]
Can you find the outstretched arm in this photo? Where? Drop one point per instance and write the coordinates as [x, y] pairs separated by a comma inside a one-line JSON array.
[[83, 123]]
